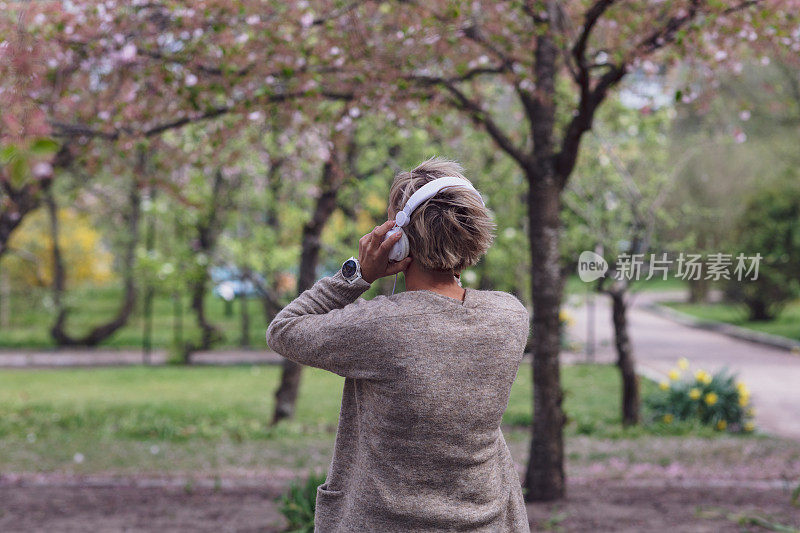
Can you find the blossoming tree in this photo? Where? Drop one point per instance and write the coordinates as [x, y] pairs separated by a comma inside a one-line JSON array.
[[532, 74]]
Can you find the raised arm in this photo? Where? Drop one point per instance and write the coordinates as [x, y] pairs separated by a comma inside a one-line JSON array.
[[318, 329], [328, 326]]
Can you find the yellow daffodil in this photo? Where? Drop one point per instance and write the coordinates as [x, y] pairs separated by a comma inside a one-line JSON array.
[[695, 394], [663, 385], [742, 388], [722, 424], [744, 399], [751, 412], [668, 418], [703, 377], [683, 363], [711, 398], [749, 426], [674, 374]]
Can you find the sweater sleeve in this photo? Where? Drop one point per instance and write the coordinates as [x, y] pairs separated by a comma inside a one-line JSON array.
[[325, 327]]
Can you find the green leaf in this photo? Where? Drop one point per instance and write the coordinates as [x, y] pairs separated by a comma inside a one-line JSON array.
[[8, 154], [44, 146], [19, 171]]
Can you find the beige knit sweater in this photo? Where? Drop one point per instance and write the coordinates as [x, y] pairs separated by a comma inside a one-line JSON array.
[[419, 445]]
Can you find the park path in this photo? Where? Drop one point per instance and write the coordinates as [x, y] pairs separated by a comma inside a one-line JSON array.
[[772, 374]]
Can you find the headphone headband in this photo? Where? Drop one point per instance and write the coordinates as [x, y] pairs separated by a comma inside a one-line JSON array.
[[429, 190]]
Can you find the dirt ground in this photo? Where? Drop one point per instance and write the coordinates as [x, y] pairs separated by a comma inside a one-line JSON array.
[[633, 508], [591, 506], [36, 508]]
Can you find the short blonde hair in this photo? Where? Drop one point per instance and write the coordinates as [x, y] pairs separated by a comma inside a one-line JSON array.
[[450, 231]]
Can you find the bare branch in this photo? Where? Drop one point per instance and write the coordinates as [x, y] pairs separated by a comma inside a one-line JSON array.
[[668, 33], [473, 33], [593, 14], [66, 130], [479, 116]]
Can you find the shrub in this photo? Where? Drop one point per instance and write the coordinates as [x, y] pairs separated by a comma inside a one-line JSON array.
[[299, 502], [718, 400], [769, 226]]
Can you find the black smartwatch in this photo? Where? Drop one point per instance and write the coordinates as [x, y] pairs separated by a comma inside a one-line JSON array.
[[351, 270]]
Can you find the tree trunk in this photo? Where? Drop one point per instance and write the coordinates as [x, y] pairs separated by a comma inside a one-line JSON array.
[[544, 478], [332, 177], [209, 333], [270, 304], [545, 475], [759, 310], [149, 294], [208, 230], [244, 342], [177, 320], [698, 291], [103, 331], [625, 358], [59, 277], [17, 203], [5, 300], [269, 299]]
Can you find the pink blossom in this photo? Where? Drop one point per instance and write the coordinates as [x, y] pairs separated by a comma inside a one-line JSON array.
[[307, 19], [128, 53], [42, 170]]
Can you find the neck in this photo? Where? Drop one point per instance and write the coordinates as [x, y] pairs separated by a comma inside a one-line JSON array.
[[419, 278]]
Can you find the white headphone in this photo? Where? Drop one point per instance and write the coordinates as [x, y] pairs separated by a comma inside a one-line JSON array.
[[400, 249]]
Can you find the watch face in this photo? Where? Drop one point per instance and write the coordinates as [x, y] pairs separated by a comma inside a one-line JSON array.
[[349, 268]]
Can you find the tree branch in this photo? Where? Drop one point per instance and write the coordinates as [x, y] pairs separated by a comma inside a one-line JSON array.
[[479, 116], [473, 33], [591, 17], [66, 130], [592, 97]]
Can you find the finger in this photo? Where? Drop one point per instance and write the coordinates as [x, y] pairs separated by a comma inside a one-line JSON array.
[[381, 230], [400, 266], [386, 245], [370, 237]]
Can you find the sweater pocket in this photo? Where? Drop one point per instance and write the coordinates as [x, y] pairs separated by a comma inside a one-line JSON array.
[[329, 507]]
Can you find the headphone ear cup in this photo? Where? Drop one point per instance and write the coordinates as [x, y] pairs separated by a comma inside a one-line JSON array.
[[399, 250]]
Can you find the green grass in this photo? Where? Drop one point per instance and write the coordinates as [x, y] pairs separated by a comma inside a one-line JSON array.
[[574, 285], [787, 324], [592, 402], [32, 316], [215, 419]]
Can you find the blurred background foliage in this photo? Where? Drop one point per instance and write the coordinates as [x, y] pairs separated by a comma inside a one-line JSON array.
[[710, 168]]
